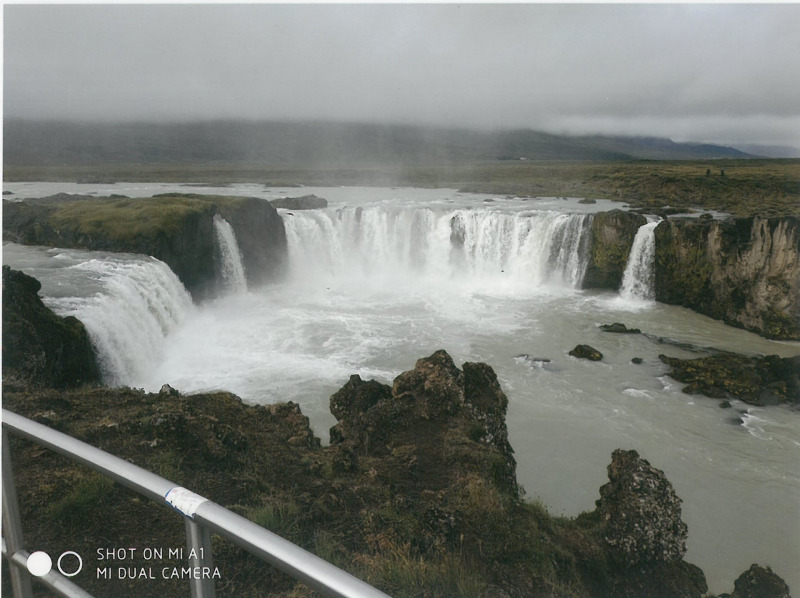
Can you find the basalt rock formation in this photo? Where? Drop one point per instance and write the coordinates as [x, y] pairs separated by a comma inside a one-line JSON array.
[[766, 380], [39, 347], [743, 271], [611, 241], [177, 229], [759, 582], [443, 418], [644, 535], [586, 352]]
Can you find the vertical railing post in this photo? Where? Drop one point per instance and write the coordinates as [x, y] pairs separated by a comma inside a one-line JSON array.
[[12, 528], [198, 541]]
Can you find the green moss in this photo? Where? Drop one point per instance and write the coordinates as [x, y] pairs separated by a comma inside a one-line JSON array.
[[81, 501], [126, 219], [282, 517]]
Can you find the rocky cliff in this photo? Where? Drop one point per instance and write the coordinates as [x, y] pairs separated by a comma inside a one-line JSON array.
[[177, 229], [612, 237], [40, 348], [744, 271]]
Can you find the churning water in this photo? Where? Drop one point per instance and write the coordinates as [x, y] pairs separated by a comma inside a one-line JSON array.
[[383, 277]]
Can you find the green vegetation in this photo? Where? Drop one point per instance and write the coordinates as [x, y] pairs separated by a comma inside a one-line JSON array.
[[82, 501], [129, 219]]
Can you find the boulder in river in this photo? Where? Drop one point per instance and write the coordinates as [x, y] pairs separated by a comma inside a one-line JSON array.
[[586, 352]]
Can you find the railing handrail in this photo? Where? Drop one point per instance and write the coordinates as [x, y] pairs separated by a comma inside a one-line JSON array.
[[297, 562]]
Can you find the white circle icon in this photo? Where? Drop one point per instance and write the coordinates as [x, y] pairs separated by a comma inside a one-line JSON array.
[[80, 563], [39, 563]]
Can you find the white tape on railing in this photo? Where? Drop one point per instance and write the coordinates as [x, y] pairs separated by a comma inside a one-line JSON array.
[[184, 501]]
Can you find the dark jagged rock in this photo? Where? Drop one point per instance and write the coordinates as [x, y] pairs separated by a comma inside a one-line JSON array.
[[637, 360], [611, 241], [743, 271], [40, 347], [755, 380], [760, 582], [644, 533], [435, 405], [306, 202], [586, 352], [619, 328], [177, 229], [642, 512]]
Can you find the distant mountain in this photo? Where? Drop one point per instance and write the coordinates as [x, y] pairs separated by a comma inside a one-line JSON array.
[[322, 143], [771, 151]]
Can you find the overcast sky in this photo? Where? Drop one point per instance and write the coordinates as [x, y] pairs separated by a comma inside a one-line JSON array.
[[719, 73]]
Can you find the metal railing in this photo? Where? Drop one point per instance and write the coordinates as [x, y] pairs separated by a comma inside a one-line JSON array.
[[202, 517]]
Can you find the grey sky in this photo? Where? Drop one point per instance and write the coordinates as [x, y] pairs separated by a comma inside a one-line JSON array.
[[720, 73]]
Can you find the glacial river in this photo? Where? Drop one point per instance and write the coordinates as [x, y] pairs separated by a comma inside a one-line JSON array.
[[385, 276]]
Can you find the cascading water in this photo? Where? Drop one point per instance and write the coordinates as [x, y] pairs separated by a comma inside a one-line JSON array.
[[638, 279], [231, 268], [128, 303], [482, 247]]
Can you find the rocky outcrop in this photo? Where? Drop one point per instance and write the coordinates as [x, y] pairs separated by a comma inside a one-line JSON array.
[[448, 415], [641, 511], [759, 582], [306, 202], [611, 240], [743, 271], [174, 228], [766, 380], [260, 235], [644, 535], [39, 347], [586, 352]]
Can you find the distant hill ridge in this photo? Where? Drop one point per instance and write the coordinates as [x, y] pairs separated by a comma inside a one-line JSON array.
[[324, 143]]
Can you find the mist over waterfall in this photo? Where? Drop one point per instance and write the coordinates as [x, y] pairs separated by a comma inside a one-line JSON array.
[[639, 277], [478, 247], [231, 268]]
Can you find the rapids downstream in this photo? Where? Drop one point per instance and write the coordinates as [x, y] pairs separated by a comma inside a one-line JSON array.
[[382, 277]]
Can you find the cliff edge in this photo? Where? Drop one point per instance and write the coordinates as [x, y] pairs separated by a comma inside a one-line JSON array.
[[177, 229], [39, 347], [743, 271]]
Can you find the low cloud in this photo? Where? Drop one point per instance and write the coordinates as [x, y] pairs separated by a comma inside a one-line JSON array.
[[721, 73]]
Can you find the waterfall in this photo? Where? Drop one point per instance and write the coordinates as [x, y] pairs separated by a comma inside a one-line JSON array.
[[139, 303], [231, 268], [386, 245], [639, 277]]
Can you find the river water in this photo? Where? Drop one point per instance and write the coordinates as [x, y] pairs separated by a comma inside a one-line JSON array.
[[383, 277]]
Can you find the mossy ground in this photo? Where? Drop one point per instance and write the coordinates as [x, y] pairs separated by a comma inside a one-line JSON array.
[[126, 219], [411, 526]]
